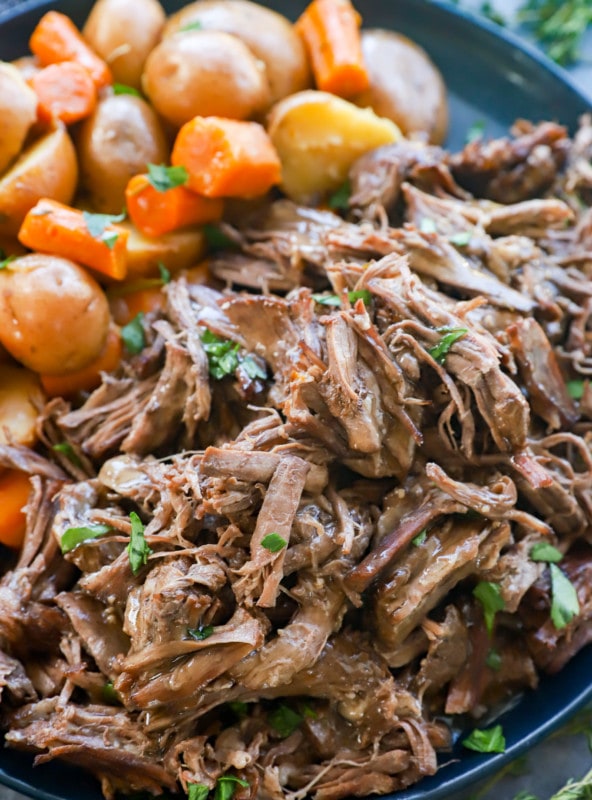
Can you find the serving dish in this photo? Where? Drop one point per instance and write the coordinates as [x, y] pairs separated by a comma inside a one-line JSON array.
[[492, 78]]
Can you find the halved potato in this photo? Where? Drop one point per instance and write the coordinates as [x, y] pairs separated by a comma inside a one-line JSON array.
[[176, 250], [18, 111], [48, 168], [20, 399], [318, 136]]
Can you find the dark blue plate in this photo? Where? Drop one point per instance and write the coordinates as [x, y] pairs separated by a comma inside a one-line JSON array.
[[491, 77]]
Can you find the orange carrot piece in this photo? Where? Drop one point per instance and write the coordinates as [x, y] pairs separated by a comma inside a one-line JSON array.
[[88, 378], [14, 494], [226, 157], [330, 30], [155, 213], [126, 306], [64, 91], [57, 39], [55, 228]]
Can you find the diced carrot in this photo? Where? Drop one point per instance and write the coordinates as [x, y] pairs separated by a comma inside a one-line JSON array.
[[227, 157], [154, 212], [60, 230], [330, 30], [88, 378], [198, 274], [64, 91], [57, 39], [125, 306], [14, 494]]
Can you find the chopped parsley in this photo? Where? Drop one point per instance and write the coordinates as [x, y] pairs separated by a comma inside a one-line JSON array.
[[335, 301], [72, 537], [216, 239], [226, 786], [165, 275], [201, 633], [461, 239], [123, 88], [137, 549], [6, 261], [66, 449], [428, 225], [239, 708], [490, 596], [97, 224], [191, 26], [284, 720], [163, 178], [575, 389], [222, 354], [339, 200], [133, 336], [252, 368], [451, 335], [489, 740], [494, 660], [543, 551], [420, 538], [197, 791], [476, 131], [558, 25], [273, 542], [110, 695], [564, 604]]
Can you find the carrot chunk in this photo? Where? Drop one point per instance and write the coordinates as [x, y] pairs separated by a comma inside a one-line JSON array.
[[330, 30], [52, 227], [57, 39], [14, 494], [227, 158], [88, 378], [64, 91], [156, 212]]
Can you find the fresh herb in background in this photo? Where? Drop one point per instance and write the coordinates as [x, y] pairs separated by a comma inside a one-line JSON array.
[[489, 740], [191, 26], [201, 633], [564, 599], [475, 132], [339, 200], [133, 336], [122, 88], [491, 13], [137, 549], [72, 537], [451, 335], [239, 708], [215, 238], [490, 596], [284, 721], [165, 275], [494, 660], [163, 178], [273, 542]]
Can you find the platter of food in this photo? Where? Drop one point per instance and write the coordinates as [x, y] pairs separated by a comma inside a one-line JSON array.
[[294, 391]]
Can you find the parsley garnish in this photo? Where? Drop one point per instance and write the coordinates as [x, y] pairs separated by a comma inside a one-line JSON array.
[[420, 538], [110, 695], [137, 549], [96, 225], [273, 542], [564, 605], [335, 300], [163, 178], [460, 239], [284, 721], [191, 26], [451, 335], [66, 449], [72, 537], [123, 88], [543, 551], [133, 336], [6, 261], [215, 239], [558, 25], [239, 708], [222, 354], [575, 389], [165, 275], [252, 368], [475, 132], [494, 660], [428, 225], [339, 200], [197, 791], [490, 740], [226, 786], [201, 633], [490, 596]]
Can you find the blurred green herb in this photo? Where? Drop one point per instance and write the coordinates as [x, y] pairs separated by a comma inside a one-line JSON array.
[[137, 549], [133, 336], [489, 740], [490, 596], [339, 200], [451, 335]]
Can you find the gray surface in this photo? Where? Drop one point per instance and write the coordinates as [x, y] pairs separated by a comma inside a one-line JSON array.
[[560, 758]]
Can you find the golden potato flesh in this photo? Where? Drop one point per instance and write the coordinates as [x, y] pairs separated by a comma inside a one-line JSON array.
[[177, 250], [405, 85], [20, 399], [318, 136], [18, 111], [205, 73], [123, 32], [267, 34], [54, 317], [48, 168], [116, 142]]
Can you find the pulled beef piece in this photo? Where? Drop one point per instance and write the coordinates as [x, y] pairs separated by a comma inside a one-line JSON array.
[[511, 170], [14, 681]]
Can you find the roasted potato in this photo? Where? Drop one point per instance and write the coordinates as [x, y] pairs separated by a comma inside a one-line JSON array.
[[205, 73], [20, 399], [269, 36], [18, 111], [48, 168], [123, 32], [116, 142], [405, 85], [54, 317], [176, 250], [318, 136]]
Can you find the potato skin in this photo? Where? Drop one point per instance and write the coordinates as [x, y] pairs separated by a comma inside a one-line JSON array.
[[123, 32], [269, 36], [405, 85], [18, 111], [205, 73], [117, 141], [20, 397], [54, 317], [47, 168]]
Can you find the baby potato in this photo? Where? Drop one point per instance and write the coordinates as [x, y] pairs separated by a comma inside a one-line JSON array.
[[18, 111], [47, 168], [205, 73], [405, 85], [176, 250], [20, 397], [118, 140], [54, 317], [318, 136], [268, 35], [123, 32]]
